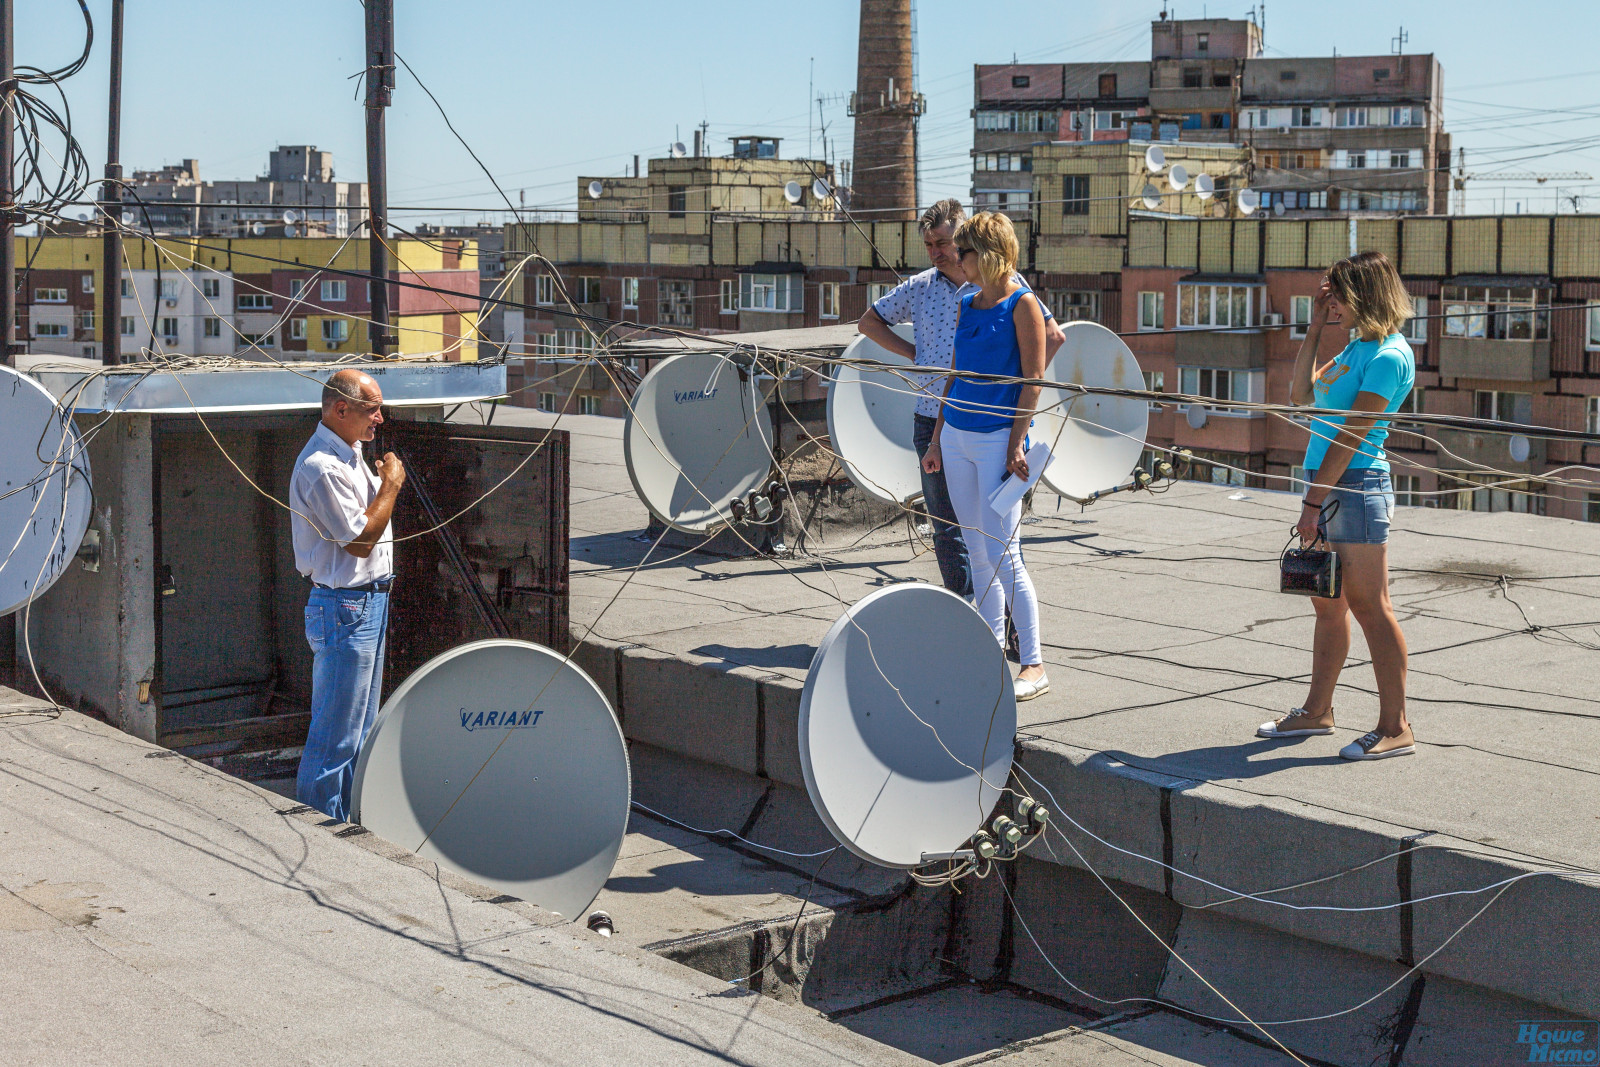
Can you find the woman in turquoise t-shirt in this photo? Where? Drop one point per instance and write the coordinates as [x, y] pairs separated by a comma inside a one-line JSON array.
[[1351, 493]]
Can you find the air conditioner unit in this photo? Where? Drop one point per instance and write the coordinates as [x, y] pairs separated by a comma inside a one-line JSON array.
[[1272, 319], [172, 303]]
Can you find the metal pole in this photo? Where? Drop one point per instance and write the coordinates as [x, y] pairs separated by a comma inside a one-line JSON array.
[[8, 195], [111, 209], [380, 87]]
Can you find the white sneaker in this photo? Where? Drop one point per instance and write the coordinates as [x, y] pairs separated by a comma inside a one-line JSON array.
[[1298, 723], [1027, 690], [1375, 746]]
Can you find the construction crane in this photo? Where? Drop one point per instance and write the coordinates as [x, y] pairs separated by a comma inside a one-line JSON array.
[[1463, 176]]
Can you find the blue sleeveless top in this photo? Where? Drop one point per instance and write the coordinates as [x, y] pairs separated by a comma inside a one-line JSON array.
[[986, 342]]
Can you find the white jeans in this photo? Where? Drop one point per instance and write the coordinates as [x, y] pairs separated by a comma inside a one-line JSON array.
[[974, 466]]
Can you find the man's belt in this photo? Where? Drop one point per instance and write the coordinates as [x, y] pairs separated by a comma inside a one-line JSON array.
[[380, 586]]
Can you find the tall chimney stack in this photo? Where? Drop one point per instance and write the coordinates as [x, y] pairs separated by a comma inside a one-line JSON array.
[[885, 107]]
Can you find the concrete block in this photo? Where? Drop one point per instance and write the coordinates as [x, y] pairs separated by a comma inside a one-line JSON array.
[[698, 711], [780, 698], [1458, 1023], [597, 657], [1530, 943]]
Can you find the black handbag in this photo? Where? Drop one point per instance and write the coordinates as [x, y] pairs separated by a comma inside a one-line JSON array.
[[1311, 571]]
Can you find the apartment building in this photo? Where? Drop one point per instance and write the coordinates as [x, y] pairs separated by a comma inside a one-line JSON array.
[[252, 298], [1328, 135], [1519, 340], [298, 196]]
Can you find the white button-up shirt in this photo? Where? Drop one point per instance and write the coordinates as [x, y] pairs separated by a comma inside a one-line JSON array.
[[330, 491], [930, 302]]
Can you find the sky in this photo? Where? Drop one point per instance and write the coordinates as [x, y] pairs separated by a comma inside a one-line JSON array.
[[546, 92]]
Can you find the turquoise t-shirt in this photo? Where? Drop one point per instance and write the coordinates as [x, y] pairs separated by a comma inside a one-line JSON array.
[[1387, 368]]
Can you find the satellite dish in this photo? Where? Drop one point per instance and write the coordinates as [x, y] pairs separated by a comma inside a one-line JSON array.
[[1095, 440], [1150, 197], [1520, 447], [45, 492], [678, 151], [502, 761], [596, 189], [1178, 177], [291, 231], [290, 217], [1205, 186], [1155, 160], [258, 228], [697, 438], [1247, 200], [908, 698], [127, 218], [1277, 207], [792, 192], [870, 423], [820, 190], [1195, 415]]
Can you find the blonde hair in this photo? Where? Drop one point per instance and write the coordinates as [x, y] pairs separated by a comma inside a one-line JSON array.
[[1369, 286], [991, 235]]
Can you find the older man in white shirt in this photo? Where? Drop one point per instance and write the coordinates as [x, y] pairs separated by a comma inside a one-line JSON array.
[[343, 543]]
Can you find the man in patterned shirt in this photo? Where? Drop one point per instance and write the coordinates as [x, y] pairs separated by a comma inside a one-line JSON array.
[[930, 301]]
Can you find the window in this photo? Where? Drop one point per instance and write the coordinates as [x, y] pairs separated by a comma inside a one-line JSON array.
[[1075, 194], [1407, 116], [169, 288], [1288, 75], [1108, 85], [1191, 78], [544, 344], [1010, 200], [574, 342], [297, 329], [169, 329], [258, 340], [1202, 42], [828, 300], [544, 289], [675, 302], [876, 291], [1152, 311], [1214, 305], [1074, 305], [335, 331], [1300, 479], [50, 329], [127, 288], [1503, 407], [1502, 314], [630, 293], [1217, 383], [127, 325], [1001, 161], [1019, 121], [771, 292], [1380, 74], [588, 404], [1299, 315], [1305, 116], [1594, 327], [1401, 160], [729, 297], [1155, 381], [1591, 420], [1294, 200], [86, 321], [1592, 512], [587, 290], [333, 291], [547, 401], [1019, 81], [298, 286], [210, 287], [1219, 120], [87, 282], [255, 301], [1356, 160], [1415, 329], [49, 296], [1384, 200], [677, 201], [1352, 116], [213, 327], [1408, 490]]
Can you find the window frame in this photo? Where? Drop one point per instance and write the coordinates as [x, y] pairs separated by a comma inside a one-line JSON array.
[[297, 328], [1497, 399], [779, 294], [1493, 312], [51, 329], [1190, 291], [630, 294], [1075, 197], [165, 333], [335, 332], [127, 327], [728, 295], [544, 290], [589, 403], [252, 301], [677, 201], [210, 326], [1195, 380], [333, 291], [1592, 414], [1593, 343], [1415, 329], [87, 283], [44, 294], [1156, 303], [827, 300], [547, 402], [675, 302], [1299, 327]]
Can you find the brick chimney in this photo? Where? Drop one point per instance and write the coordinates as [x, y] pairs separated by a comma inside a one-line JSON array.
[[885, 107]]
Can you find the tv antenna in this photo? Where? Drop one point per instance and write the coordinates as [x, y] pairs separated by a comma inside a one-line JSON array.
[[1397, 43]]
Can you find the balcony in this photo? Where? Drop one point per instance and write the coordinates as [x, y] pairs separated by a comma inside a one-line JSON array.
[[1487, 449], [1230, 349], [1504, 361]]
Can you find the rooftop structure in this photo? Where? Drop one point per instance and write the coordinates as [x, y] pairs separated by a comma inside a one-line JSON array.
[[296, 197]]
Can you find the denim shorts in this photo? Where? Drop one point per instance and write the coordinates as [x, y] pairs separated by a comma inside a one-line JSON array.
[[1366, 507]]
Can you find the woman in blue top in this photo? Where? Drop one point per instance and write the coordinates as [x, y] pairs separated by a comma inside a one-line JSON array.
[[982, 426], [1349, 477]]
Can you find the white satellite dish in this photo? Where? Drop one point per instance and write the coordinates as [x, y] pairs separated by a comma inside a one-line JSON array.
[[258, 228], [870, 423], [1195, 415], [820, 190], [1150, 197], [908, 698], [291, 231], [290, 217], [127, 218], [1277, 207], [678, 151], [1205, 186], [502, 761], [697, 438], [1520, 448], [45, 492], [596, 190], [1247, 200], [1155, 160], [1095, 440], [792, 192], [1178, 177]]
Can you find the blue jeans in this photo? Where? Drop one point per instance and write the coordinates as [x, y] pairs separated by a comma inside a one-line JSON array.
[[949, 548], [346, 629]]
